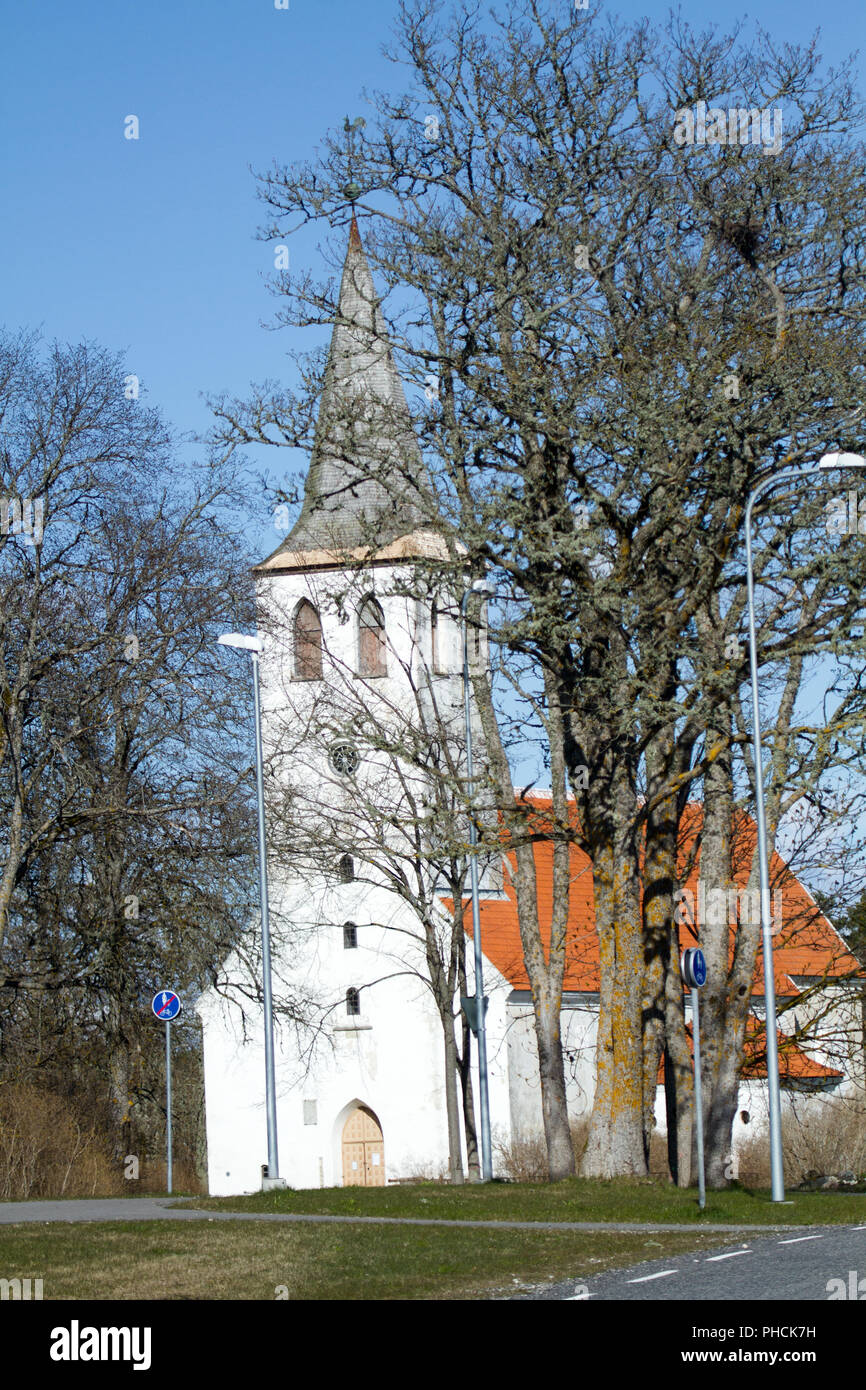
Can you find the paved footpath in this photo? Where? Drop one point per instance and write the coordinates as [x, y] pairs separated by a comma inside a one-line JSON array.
[[163, 1208]]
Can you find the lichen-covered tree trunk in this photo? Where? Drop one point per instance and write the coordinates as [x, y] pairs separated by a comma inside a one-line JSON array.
[[659, 880], [616, 1138]]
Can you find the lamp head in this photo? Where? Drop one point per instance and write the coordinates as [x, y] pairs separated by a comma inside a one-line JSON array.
[[842, 461], [241, 641], [484, 587]]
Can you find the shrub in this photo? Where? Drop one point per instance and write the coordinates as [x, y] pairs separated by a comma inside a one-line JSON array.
[[826, 1136], [47, 1149], [525, 1160]]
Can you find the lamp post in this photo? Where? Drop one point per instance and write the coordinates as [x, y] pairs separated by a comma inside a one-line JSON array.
[[253, 645], [484, 589], [828, 461]]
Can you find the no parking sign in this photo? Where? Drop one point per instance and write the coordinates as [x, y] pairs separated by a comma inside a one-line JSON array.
[[166, 1006]]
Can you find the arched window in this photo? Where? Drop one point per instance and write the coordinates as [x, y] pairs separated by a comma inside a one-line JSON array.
[[347, 869], [353, 1002], [371, 640], [308, 643], [350, 937]]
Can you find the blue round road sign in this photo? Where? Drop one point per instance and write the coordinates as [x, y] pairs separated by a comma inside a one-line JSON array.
[[166, 1005], [694, 967]]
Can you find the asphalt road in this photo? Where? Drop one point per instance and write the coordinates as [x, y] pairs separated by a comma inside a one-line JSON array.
[[795, 1265]]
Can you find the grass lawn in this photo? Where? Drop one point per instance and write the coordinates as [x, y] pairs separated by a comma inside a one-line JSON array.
[[255, 1260], [576, 1199]]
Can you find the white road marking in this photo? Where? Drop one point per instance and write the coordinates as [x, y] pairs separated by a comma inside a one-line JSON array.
[[795, 1240], [645, 1278], [730, 1255], [858, 1228]]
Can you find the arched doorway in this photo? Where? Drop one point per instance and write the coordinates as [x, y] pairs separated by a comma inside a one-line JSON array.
[[363, 1150]]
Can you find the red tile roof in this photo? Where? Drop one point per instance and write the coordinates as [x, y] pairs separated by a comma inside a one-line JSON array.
[[794, 1063], [805, 945]]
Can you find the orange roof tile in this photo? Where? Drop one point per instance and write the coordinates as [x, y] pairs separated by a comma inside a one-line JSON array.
[[805, 945], [794, 1063]]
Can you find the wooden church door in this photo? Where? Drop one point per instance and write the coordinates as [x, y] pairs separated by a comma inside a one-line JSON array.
[[363, 1150]]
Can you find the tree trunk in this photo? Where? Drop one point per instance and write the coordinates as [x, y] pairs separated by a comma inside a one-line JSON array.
[[557, 1131], [545, 961], [679, 1077], [120, 1083], [616, 1138], [473, 1161], [671, 1117], [660, 867], [725, 999], [455, 1157], [464, 1067]]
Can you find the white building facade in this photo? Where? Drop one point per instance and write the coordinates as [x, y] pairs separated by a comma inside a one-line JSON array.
[[362, 685]]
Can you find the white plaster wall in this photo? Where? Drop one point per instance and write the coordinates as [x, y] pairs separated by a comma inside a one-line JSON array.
[[387, 1059], [390, 1059], [579, 1029]]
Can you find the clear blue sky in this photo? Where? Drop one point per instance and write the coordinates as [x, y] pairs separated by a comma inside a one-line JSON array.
[[149, 246]]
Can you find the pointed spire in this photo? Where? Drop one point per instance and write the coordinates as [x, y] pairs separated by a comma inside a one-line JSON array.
[[366, 478]]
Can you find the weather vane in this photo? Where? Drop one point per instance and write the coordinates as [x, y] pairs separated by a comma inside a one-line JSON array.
[[352, 189]]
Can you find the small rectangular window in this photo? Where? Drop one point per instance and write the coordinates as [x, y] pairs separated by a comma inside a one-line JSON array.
[[353, 1003], [311, 1112], [350, 936]]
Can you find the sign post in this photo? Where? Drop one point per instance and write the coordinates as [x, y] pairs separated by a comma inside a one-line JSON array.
[[166, 1006], [693, 967]]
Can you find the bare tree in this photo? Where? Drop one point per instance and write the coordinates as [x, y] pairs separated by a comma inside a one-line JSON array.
[[124, 764]]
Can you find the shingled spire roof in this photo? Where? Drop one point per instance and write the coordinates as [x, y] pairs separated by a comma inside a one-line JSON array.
[[367, 482]]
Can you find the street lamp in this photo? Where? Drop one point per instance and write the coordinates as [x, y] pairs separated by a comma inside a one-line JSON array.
[[828, 461], [253, 645], [484, 589]]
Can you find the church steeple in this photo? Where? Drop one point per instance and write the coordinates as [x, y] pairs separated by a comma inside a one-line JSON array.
[[367, 481]]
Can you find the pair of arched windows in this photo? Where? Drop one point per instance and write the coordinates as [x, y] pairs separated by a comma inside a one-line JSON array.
[[307, 641]]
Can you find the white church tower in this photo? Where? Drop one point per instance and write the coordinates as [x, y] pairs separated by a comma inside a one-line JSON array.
[[362, 706]]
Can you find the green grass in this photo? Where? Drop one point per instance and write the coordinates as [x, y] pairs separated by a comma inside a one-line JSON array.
[[620, 1199], [253, 1260]]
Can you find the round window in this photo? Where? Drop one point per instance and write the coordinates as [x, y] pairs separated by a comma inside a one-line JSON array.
[[345, 759]]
